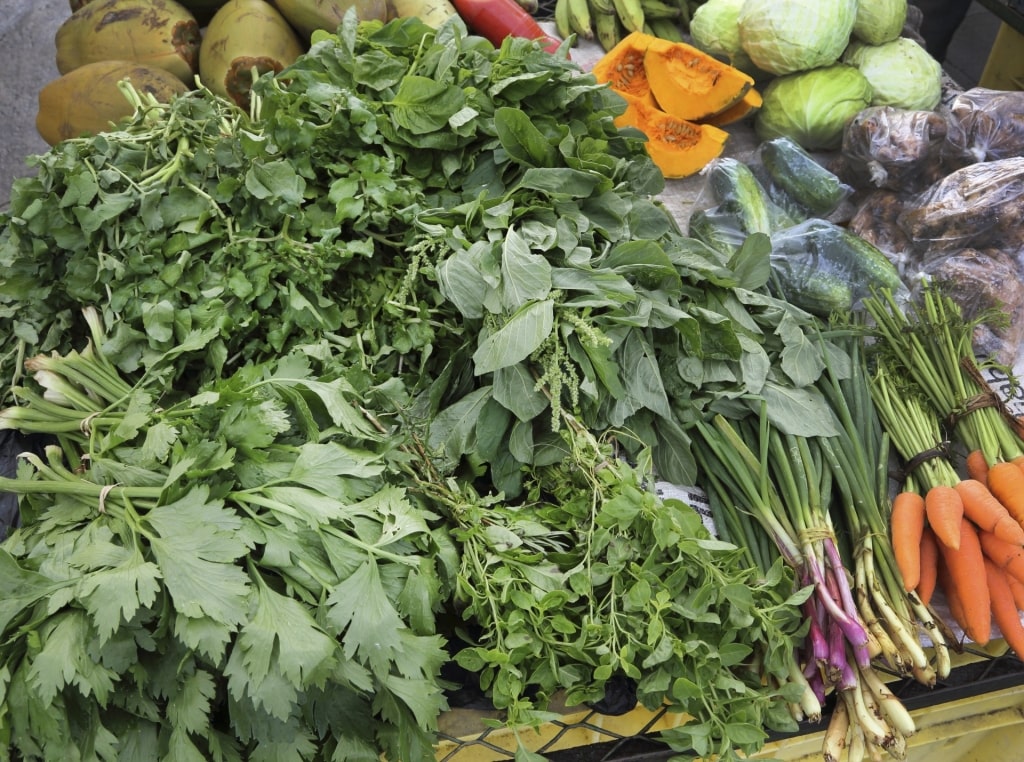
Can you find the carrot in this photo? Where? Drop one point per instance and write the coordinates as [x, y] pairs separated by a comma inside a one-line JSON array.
[[929, 565], [1006, 482], [1004, 608], [977, 465], [945, 509], [988, 513], [945, 583], [497, 19], [966, 566], [906, 524], [1005, 555], [1017, 588]]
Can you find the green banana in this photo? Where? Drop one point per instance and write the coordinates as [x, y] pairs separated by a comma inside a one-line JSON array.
[[581, 19], [659, 9], [631, 14], [666, 29], [602, 6], [562, 23], [609, 30]]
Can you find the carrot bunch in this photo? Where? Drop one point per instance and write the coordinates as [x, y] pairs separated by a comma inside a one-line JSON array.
[[955, 529]]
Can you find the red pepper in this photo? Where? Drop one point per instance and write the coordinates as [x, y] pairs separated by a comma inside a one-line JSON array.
[[497, 19]]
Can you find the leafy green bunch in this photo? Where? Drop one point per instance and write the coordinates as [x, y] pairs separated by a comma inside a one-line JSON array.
[[235, 576]]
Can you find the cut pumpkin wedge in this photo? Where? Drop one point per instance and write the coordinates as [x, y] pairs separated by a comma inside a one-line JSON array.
[[622, 68], [679, 148], [690, 84], [745, 106]]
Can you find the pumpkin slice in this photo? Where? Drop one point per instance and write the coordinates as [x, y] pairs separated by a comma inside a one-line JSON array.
[[690, 84], [742, 108], [679, 148], [622, 68]]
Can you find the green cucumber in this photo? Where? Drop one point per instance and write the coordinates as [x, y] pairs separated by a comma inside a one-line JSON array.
[[736, 187], [720, 227], [822, 267], [800, 176]]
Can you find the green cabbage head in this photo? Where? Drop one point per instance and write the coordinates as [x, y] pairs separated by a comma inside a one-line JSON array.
[[813, 107], [879, 21], [901, 72], [715, 29], [786, 36]]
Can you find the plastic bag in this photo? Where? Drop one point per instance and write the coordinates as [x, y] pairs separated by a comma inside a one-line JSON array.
[[823, 268], [984, 282], [984, 125], [894, 148], [875, 220], [977, 206]]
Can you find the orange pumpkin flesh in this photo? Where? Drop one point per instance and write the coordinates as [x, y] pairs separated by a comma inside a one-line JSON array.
[[690, 84], [622, 68], [679, 148], [742, 108]]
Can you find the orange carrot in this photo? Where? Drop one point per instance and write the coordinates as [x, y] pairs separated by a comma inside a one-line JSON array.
[[977, 465], [982, 507], [1005, 555], [1004, 608], [1006, 482], [929, 565], [945, 584], [944, 510], [906, 524], [966, 566], [1017, 588]]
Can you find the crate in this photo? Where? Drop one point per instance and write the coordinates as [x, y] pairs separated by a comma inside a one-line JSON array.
[[1004, 69], [975, 715]]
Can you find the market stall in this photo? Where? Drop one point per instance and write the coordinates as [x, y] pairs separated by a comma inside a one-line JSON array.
[[401, 404]]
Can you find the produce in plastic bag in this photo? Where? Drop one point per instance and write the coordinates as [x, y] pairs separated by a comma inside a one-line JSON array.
[[814, 188], [985, 124], [977, 206], [980, 282], [894, 148], [876, 222], [823, 268]]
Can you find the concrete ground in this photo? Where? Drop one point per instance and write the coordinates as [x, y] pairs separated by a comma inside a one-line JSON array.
[[27, 28]]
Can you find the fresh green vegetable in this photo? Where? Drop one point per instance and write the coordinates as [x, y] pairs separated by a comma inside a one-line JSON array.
[[463, 251], [735, 187], [813, 107], [824, 268], [879, 21], [786, 36], [715, 29], [810, 184], [901, 72]]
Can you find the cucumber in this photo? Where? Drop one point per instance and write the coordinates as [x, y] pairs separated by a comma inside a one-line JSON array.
[[823, 268], [797, 173], [720, 227], [737, 188]]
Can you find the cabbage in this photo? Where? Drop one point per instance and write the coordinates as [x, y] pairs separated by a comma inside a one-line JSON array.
[[813, 107], [879, 21], [714, 29], [901, 72], [786, 36]]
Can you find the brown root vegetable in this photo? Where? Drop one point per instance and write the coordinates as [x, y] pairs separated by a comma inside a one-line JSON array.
[[985, 124], [894, 148], [976, 206], [87, 100], [987, 285], [875, 220]]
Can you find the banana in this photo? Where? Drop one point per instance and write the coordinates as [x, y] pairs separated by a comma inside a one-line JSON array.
[[666, 29], [609, 30], [631, 14], [580, 19], [602, 6], [562, 23], [659, 9]]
